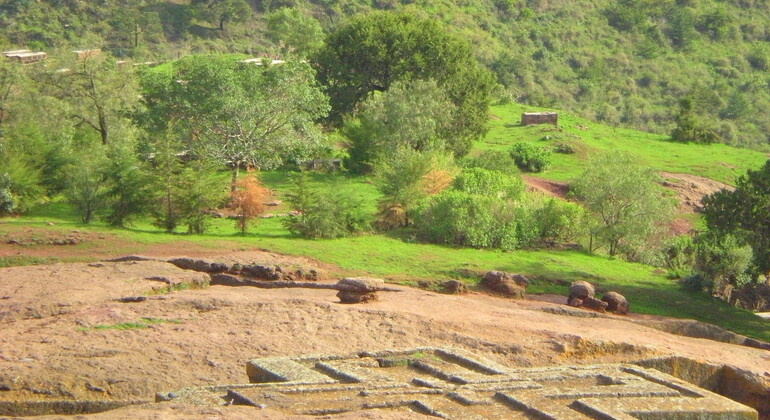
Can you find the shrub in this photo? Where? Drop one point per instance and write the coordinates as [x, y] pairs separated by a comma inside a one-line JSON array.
[[489, 183], [406, 177], [19, 186], [722, 260], [459, 218], [558, 221], [492, 160], [530, 158], [247, 200], [325, 212]]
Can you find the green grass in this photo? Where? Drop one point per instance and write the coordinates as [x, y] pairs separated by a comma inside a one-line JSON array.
[[141, 324], [716, 161]]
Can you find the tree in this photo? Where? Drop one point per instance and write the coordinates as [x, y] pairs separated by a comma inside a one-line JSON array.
[[243, 115], [294, 30], [414, 114], [221, 11], [688, 129], [375, 50], [625, 204], [99, 93], [744, 212], [247, 201], [404, 178]]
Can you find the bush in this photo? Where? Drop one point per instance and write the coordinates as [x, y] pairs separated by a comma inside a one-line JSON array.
[[406, 177], [489, 183], [247, 200], [19, 186], [722, 260], [459, 218], [558, 221], [492, 160], [530, 158], [325, 212]]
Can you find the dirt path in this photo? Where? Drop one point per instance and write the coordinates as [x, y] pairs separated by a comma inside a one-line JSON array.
[[64, 335]]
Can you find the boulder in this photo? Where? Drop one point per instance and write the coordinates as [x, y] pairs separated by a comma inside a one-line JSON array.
[[360, 284], [262, 272], [347, 296], [454, 287], [594, 304], [511, 285], [199, 265], [616, 302], [581, 289]]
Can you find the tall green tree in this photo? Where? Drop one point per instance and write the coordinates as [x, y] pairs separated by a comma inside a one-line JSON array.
[[373, 51], [98, 92], [241, 114], [744, 212], [625, 204], [296, 31], [221, 12], [414, 114]]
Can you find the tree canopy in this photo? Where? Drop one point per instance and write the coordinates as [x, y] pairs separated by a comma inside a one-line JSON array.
[[373, 51], [744, 212], [625, 203], [240, 113]]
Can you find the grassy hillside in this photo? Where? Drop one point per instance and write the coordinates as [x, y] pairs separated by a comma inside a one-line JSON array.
[[624, 63], [716, 161]]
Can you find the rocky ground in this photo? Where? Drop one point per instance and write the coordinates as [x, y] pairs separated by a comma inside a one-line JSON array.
[[66, 334]]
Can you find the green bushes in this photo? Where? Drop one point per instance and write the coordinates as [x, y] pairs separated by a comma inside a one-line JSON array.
[[485, 209], [329, 211], [489, 183], [530, 158]]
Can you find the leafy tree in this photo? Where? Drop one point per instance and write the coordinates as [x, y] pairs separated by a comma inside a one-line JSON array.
[[86, 189], [241, 114], [181, 193], [127, 187], [98, 92], [744, 212], [221, 12], [134, 23], [689, 128], [19, 185], [406, 177], [295, 30], [625, 204], [414, 114], [373, 51], [248, 201], [328, 211]]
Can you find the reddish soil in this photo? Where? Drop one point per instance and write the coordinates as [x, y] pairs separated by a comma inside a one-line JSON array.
[[60, 338]]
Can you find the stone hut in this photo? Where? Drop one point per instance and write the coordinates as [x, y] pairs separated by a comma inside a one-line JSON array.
[[25, 56], [530, 118]]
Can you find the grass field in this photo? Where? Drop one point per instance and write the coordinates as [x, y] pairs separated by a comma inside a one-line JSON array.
[[716, 161], [398, 258]]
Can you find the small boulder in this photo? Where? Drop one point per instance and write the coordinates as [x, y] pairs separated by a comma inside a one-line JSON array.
[[581, 289], [347, 296], [454, 287], [360, 284], [511, 285], [262, 272], [594, 304], [616, 302]]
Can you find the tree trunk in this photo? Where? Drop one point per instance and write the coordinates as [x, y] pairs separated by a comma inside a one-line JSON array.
[[221, 24], [236, 170]]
